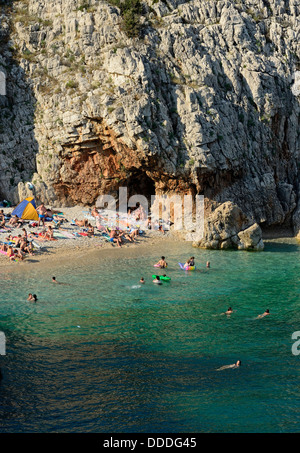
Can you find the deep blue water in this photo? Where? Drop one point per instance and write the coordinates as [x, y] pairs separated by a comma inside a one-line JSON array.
[[101, 353]]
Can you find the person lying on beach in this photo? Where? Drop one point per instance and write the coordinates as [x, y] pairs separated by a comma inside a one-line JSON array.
[[49, 213], [58, 220], [266, 313], [81, 223], [123, 234], [129, 236], [90, 231], [9, 238], [234, 365], [134, 233], [15, 221], [162, 263]]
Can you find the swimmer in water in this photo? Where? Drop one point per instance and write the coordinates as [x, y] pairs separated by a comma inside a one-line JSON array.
[[32, 297], [157, 280], [208, 264], [142, 280], [229, 311], [234, 365], [266, 313], [54, 280]]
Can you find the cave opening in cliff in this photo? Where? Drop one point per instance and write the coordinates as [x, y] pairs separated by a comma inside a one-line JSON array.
[[139, 183]]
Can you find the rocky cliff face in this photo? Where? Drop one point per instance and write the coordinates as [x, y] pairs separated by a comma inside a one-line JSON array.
[[201, 102]]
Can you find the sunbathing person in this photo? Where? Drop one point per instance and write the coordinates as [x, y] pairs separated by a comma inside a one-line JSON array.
[[57, 220], [10, 253], [9, 238], [114, 237], [3, 247], [24, 233], [49, 233], [49, 213], [2, 221], [26, 247], [95, 212], [18, 241], [81, 223], [18, 254], [127, 236], [14, 221], [90, 230]]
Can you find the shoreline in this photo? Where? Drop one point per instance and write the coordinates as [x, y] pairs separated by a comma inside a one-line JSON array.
[[63, 250]]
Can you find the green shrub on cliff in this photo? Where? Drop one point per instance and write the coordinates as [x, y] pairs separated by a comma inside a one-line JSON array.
[[131, 10]]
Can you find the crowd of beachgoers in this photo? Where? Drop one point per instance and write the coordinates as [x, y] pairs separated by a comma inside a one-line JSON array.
[[72, 228]]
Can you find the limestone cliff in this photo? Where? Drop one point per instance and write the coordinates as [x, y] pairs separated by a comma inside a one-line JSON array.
[[200, 101]]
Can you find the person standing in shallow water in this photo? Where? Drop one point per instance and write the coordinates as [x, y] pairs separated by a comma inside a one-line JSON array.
[[162, 263]]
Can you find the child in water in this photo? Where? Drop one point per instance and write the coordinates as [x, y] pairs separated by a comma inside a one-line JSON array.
[[162, 263]]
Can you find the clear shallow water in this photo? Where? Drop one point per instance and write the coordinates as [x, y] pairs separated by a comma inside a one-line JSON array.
[[103, 354]]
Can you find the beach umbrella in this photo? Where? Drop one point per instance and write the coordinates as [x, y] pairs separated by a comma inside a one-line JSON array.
[[26, 209]]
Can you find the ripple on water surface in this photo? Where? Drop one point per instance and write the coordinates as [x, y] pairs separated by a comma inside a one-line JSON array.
[[102, 353]]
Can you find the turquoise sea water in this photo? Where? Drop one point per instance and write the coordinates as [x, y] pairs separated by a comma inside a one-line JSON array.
[[103, 354]]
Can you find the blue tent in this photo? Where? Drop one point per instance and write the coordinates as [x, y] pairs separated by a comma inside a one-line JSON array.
[[26, 209]]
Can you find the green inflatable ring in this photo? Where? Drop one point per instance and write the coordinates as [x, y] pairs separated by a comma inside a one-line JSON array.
[[161, 277]]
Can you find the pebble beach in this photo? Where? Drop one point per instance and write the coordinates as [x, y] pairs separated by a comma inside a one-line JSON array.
[[64, 248]]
